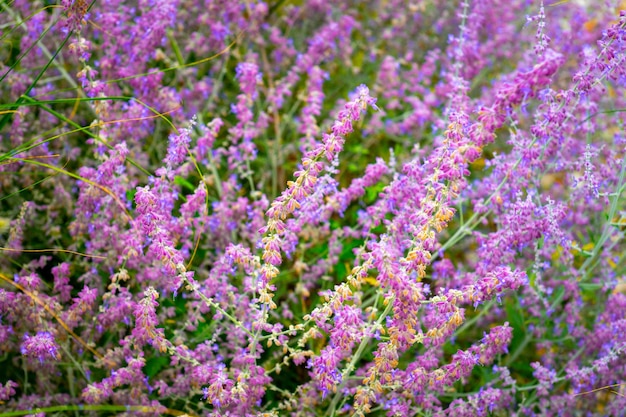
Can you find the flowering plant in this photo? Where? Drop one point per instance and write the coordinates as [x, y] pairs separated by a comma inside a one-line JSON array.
[[310, 208]]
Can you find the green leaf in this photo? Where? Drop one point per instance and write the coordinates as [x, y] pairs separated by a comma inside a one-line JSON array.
[[155, 365], [184, 183]]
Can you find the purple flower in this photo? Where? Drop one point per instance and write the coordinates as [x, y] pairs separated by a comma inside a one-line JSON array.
[[41, 346], [248, 76]]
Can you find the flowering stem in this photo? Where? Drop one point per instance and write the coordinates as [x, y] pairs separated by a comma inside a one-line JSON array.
[[474, 319], [38, 300], [585, 268], [355, 358], [216, 306]]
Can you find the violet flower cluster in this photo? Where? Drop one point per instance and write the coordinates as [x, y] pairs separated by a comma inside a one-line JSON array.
[[250, 208]]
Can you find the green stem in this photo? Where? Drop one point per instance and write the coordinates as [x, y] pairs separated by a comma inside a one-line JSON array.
[[61, 408], [591, 262], [217, 307]]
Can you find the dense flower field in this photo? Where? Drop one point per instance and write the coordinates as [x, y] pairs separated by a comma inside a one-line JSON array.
[[312, 208]]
